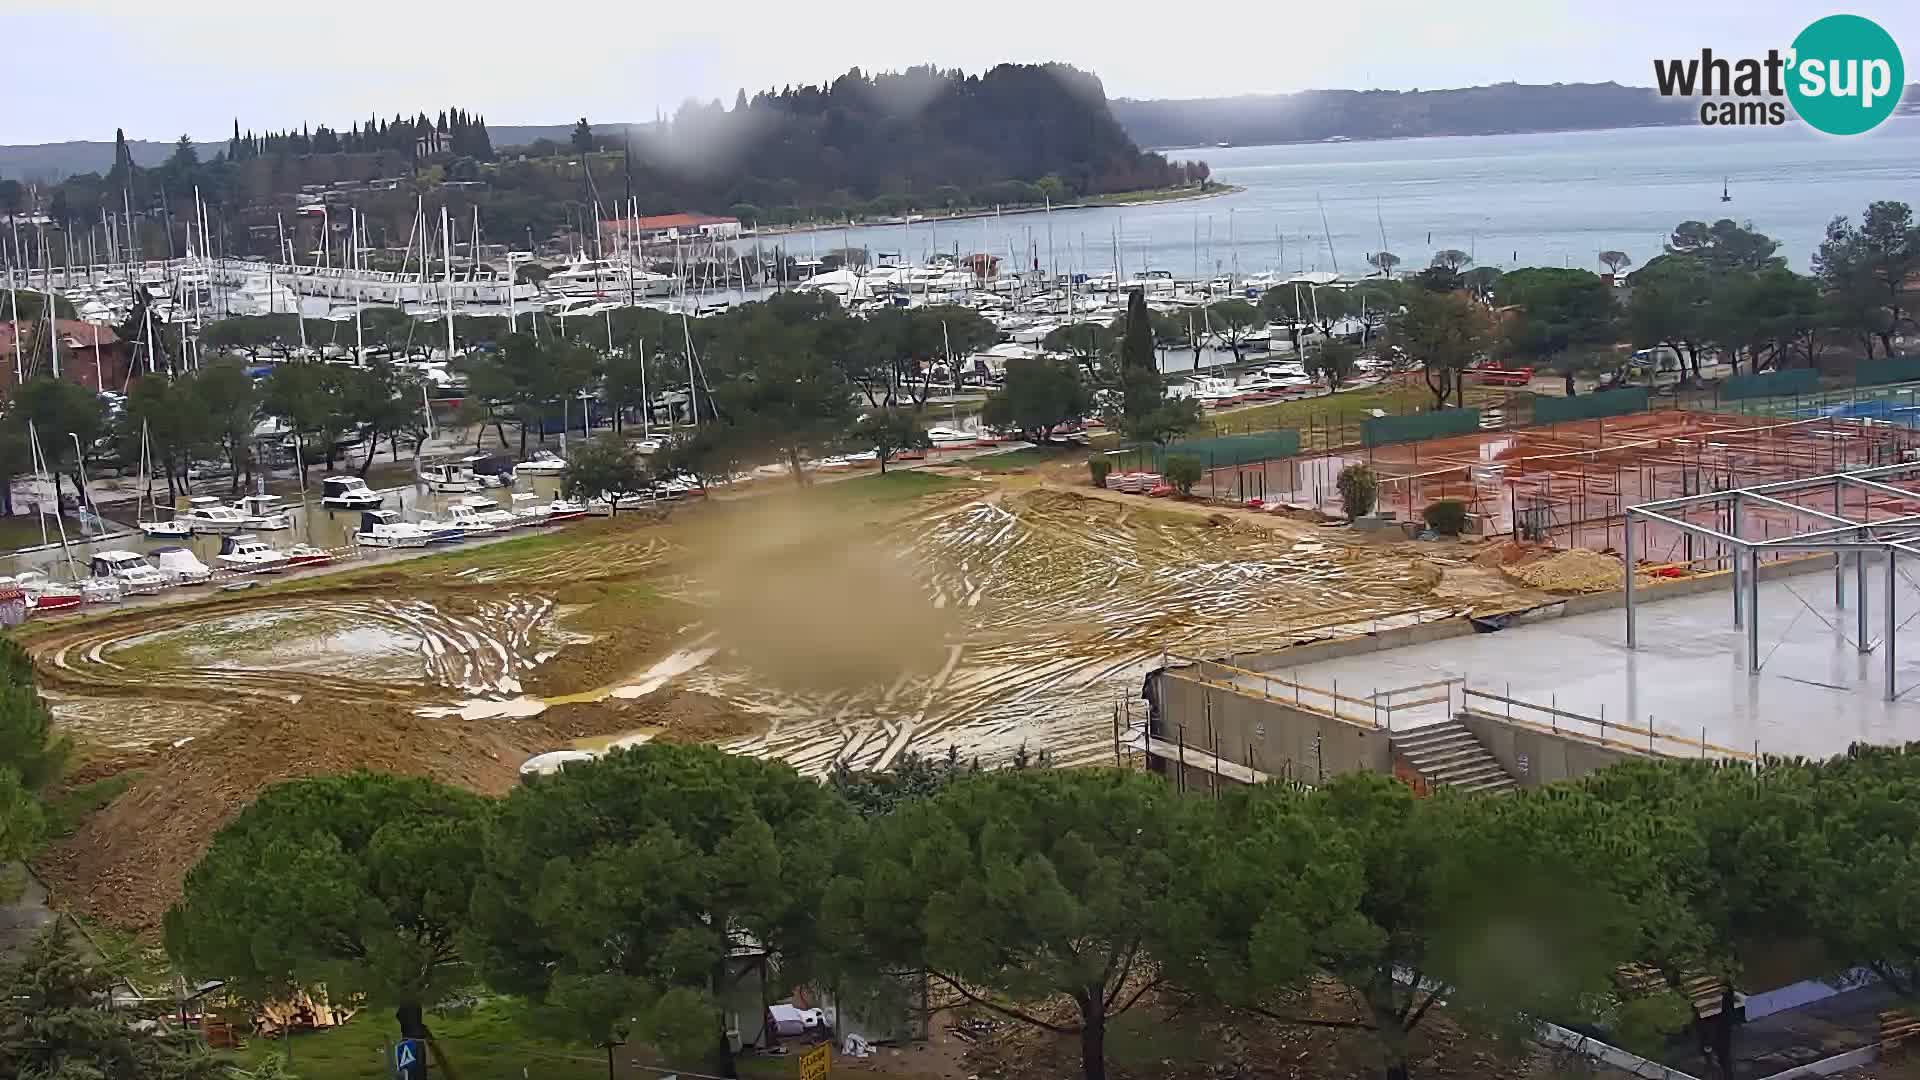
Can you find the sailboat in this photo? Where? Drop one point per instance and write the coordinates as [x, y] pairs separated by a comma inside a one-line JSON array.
[[1726, 195], [173, 529]]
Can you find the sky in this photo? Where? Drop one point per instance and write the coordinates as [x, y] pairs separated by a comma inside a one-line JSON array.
[[159, 70]]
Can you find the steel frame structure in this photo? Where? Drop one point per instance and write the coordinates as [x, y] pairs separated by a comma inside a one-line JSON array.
[[1841, 535]]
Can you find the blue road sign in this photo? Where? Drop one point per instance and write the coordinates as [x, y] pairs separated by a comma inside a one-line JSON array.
[[410, 1059]]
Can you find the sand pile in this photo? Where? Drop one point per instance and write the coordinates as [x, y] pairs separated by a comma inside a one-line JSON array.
[[1576, 571]]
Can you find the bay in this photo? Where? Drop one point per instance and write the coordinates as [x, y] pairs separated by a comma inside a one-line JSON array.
[[1554, 199]]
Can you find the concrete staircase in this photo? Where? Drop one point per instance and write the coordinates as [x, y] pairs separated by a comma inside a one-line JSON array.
[[1448, 754]]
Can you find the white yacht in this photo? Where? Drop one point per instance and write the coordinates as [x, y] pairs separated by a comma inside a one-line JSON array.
[[470, 520], [249, 554], [130, 569], [488, 511], [206, 514], [608, 278], [181, 566], [384, 528], [265, 513], [542, 463], [348, 493], [528, 509], [450, 478], [950, 436]]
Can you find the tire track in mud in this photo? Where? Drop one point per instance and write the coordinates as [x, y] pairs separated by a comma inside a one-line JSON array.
[[1067, 603], [345, 649]]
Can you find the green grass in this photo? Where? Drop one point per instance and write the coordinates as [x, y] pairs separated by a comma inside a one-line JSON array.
[[488, 1042], [1025, 458], [1348, 405]]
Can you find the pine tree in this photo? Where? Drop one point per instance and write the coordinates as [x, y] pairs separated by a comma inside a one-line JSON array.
[[122, 157]]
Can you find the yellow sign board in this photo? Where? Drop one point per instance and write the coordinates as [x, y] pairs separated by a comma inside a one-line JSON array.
[[815, 1062]]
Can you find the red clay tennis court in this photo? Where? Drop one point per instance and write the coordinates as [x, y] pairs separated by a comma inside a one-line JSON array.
[[1568, 484]]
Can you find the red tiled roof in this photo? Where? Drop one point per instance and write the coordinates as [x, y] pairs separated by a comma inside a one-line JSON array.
[[660, 222], [78, 330]]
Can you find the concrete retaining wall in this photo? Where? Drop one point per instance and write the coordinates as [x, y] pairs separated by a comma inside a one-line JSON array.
[[1536, 758], [1273, 737]]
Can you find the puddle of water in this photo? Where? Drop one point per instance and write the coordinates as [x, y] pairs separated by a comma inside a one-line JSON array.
[[600, 744], [515, 708], [662, 672]]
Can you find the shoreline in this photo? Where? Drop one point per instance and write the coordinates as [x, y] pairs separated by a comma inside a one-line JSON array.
[[1118, 201]]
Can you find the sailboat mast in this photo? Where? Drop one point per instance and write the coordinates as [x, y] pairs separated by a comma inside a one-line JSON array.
[[446, 248], [353, 269]]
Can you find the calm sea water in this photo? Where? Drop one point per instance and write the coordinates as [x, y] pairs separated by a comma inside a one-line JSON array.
[[1509, 200]]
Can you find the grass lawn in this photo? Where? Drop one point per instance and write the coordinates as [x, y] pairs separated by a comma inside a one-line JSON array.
[[1024, 458], [486, 1043]]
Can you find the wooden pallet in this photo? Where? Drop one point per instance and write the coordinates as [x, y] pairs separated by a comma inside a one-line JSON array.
[[1704, 992], [1896, 1027]]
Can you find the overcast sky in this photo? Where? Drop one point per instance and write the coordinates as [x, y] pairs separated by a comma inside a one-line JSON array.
[[76, 69]]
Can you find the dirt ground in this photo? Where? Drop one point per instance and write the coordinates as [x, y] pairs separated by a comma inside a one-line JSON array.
[[1016, 610]]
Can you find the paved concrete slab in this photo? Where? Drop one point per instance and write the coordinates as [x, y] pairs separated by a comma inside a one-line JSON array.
[[1814, 695]]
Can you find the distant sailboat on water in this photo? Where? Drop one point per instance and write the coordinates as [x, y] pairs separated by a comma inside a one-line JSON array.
[[1726, 195]]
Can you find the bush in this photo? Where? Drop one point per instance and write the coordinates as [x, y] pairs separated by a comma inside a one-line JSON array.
[[1183, 471], [1099, 467], [1448, 517], [1358, 490]]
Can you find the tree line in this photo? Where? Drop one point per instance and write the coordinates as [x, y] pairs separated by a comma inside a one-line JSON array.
[[1715, 288], [612, 895], [923, 139]]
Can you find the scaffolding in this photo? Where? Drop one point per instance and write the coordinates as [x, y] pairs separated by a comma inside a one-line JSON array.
[[1830, 514]]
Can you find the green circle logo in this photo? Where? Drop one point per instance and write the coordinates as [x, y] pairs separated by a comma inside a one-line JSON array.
[[1846, 75]]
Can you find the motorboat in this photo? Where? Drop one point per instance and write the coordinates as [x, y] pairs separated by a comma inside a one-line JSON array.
[[542, 463], [384, 528], [206, 514], [265, 513], [949, 436], [566, 510], [348, 493], [488, 511], [181, 566], [130, 569], [441, 532], [472, 521], [448, 477], [308, 555], [249, 554], [171, 529], [529, 509], [46, 595], [491, 470]]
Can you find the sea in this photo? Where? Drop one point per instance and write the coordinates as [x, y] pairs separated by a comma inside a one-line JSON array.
[[1549, 199]]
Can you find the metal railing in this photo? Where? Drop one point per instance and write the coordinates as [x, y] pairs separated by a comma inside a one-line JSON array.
[[1554, 720]]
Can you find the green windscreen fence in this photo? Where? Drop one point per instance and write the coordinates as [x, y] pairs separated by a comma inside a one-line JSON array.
[[1227, 451], [1771, 384], [1380, 430], [1553, 410], [1892, 370]]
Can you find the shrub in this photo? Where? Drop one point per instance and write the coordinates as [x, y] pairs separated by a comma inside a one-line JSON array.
[[1358, 489], [1448, 517], [1099, 467], [1183, 471]]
